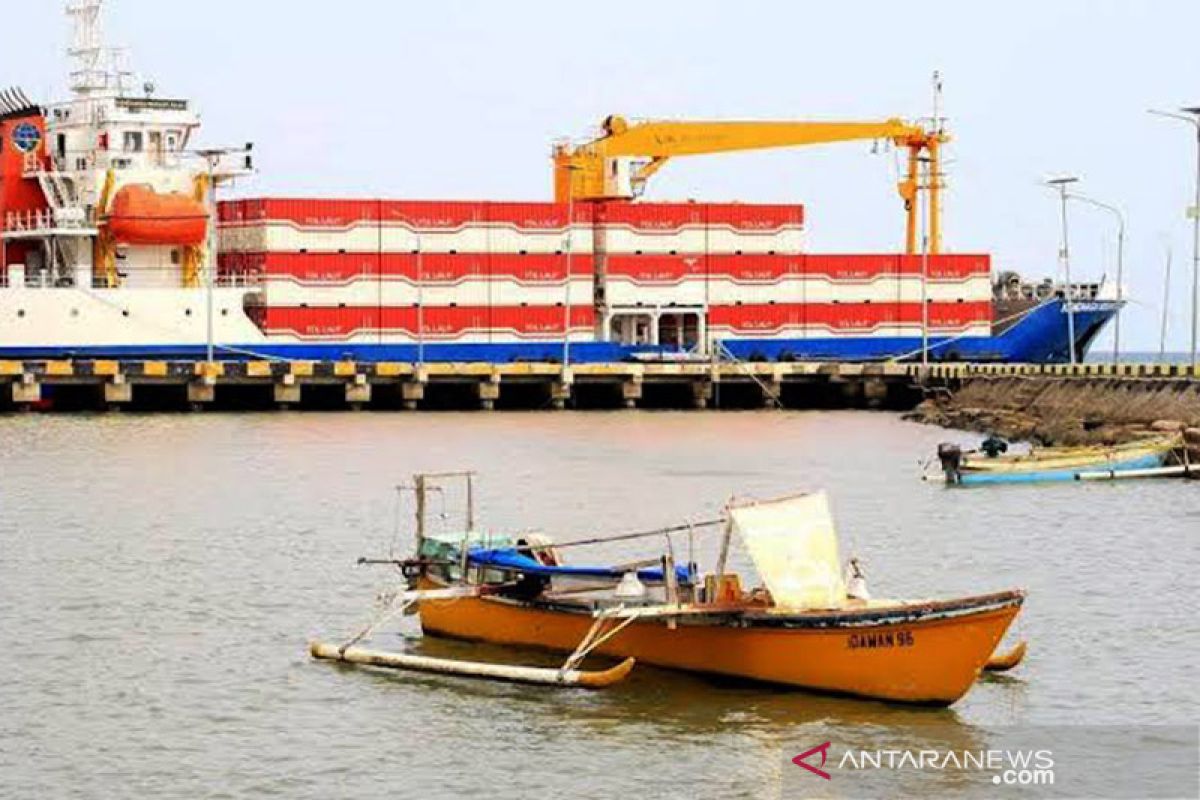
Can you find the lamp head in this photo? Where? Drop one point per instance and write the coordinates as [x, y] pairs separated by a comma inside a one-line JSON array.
[[1062, 180]]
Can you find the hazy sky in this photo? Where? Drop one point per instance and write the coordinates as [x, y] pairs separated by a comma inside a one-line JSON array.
[[462, 99]]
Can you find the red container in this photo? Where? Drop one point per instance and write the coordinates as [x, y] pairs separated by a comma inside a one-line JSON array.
[[755, 268], [311, 213], [853, 267], [659, 217], [433, 215], [951, 267], [542, 321], [539, 217], [652, 269], [958, 315], [765, 319], [538, 268], [752, 218]]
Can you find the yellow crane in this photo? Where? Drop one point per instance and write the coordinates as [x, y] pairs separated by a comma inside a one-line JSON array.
[[617, 165]]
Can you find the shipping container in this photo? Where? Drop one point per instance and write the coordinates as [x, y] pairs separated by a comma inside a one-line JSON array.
[[433, 323]]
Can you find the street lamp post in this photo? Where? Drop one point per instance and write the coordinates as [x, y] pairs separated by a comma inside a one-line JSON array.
[[569, 246], [215, 158], [1120, 263], [420, 304], [924, 201], [1064, 256], [211, 268], [1192, 116]]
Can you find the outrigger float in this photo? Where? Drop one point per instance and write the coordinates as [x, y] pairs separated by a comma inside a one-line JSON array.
[[811, 625], [991, 464]]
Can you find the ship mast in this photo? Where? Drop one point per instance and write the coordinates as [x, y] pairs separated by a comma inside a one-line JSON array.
[[97, 68]]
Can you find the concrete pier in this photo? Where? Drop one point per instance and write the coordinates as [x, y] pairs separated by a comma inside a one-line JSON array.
[[64, 385]]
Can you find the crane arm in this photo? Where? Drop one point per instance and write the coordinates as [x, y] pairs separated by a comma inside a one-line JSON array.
[[670, 139], [611, 167]]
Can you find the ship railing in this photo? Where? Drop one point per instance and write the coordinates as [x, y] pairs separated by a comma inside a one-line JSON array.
[[45, 219], [1040, 292], [31, 165]]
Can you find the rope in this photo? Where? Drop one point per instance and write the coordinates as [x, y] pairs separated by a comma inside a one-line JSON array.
[[691, 526], [772, 395], [390, 610], [593, 641]]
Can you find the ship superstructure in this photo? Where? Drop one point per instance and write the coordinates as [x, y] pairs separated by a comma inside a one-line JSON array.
[[113, 245]]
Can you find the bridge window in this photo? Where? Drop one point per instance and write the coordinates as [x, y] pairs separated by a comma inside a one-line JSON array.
[[133, 142]]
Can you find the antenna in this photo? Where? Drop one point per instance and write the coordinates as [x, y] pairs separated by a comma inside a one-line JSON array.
[[938, 121], [1166, 306]]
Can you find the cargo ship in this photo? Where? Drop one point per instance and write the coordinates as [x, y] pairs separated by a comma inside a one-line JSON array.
[[114, 245]]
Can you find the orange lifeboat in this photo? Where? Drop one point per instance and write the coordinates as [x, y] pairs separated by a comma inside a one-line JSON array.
[[141, 216]]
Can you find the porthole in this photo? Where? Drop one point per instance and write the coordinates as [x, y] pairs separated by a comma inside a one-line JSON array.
[[125, 313], [20, 312], [74, 312], [187, 313], [224, 312]]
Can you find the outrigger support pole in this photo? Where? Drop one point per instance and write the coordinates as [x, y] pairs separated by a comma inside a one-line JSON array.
[[419, 485], [724, 557]]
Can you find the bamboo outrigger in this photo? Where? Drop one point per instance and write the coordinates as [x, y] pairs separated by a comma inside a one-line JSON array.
[[503, 672], [808, 626]]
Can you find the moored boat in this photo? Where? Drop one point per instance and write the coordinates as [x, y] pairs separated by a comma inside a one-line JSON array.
[[1049, 464], [810, 625]]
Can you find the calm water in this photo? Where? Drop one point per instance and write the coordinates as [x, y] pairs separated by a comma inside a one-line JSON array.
[[160, 575]]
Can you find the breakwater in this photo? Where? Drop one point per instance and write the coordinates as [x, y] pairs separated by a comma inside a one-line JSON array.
[[1090, 404]]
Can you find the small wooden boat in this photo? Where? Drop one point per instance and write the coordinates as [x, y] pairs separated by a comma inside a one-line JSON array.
[[808, 626], [1050, 464]]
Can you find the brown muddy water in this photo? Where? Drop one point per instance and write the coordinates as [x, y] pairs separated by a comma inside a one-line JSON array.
[[161, 574]]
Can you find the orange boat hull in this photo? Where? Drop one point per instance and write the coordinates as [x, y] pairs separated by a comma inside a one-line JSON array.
[[930, 658]]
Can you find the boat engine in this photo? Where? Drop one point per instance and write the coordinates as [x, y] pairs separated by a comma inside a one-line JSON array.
[[951, 456]]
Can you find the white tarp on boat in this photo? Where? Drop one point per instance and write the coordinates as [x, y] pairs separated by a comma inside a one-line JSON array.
[[795, 549]]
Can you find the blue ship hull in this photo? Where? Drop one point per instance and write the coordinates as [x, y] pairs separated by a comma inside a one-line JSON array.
[[1040, 337]]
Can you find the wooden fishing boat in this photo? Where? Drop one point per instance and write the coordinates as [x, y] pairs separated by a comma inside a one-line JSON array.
[[809, 626], [1048, 464], [928, 653]]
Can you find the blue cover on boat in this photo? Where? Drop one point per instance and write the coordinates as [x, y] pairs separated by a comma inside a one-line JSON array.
[[509, 558]]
